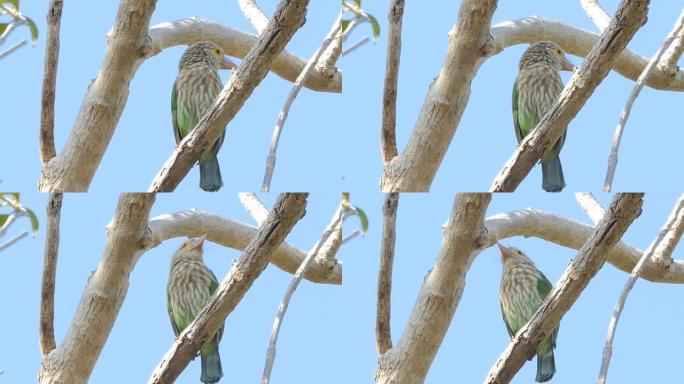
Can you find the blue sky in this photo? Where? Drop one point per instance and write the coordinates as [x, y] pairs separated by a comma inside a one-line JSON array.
[[330, 143]]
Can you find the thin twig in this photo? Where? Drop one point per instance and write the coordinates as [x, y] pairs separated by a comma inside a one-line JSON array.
[[613, 157], [356, 45], [13, 48], [47, 110], [10, 220], [665, 232], [389, 100], [675, 227], [624, 209], [271, 159], [286, 212], [10, 28], [355, 233], [383, 334], [596, 13], [254, 14], [271, 351], [46, 332], [13, 240]]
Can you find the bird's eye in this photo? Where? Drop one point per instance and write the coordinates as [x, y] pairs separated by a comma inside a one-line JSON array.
[[217, 51]]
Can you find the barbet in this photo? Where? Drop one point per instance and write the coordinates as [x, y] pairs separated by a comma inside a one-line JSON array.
[[523, 288], [536, 88], [194, 90], [190, 286]]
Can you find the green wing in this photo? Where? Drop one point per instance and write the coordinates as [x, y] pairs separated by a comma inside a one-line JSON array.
[[544, 287], [174, 111], [516, 124], [508, 326], [170, 310]]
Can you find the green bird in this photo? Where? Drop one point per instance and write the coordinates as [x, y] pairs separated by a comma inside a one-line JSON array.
[[190, 286], [523, 288], [536, 88], [194, 91]]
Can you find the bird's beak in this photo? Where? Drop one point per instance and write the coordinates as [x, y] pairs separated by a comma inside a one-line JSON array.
[[198, 243], [566, 65], [227, 64], [505, 252]]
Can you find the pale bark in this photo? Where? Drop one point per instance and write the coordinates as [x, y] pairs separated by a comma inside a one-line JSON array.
[[619, 129], [469, 44], [46, 332], [596, 13], [329, 232], [73, 361], [286, 212], [664, 242], [47, 103], [383, 334], [254, 206], [238, 43], [579, 42], [254, 14], [628, 19], [624, 209], [103, 104], [236, 235], [287, 19], [572, 234], [408, 362], [388, 139], [590, 206]]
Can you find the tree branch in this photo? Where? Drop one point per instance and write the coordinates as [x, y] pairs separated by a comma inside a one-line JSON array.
[[47, 103], [13, 240], [103, 104], [287, 19], [13, 48], [572, 234], [287, 211], [591, 257], [408, 362], [596, 13], [74, 359], [254, 206], [237, 43], [284, 112], [280, 316], [236, 235], [389, 100], [254, 14], [619, 129], [628, 19], [46, 332], [383, 334], [666, 239], [469, 45], [590, 206]]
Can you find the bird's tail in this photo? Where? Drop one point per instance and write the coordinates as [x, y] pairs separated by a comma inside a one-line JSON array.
[[210, 174], [552, 175], [211, 367], [546, 367]]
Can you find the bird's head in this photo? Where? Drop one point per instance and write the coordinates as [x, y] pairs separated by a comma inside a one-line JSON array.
[[208, 53], [192, 248], [548, 53], [512, 255]]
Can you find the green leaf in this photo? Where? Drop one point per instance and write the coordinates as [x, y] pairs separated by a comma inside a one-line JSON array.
[[15, 3], [376, 27], [34, 220], [345, 197], [364, 220], [358, 3], [345, 25], [3, 26], [15, 195], [34, 30], [3, 218]]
